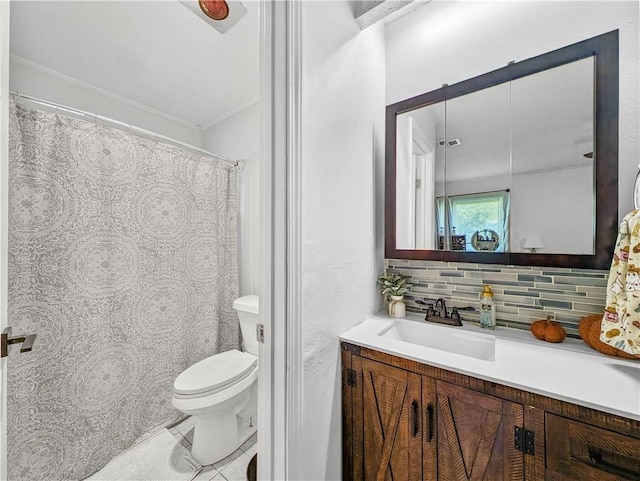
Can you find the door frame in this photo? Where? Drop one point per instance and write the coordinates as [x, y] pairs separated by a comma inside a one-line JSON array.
[[280, 440], [4, 217], [280, 401]]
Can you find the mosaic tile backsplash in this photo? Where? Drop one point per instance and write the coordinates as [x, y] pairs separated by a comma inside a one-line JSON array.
[[522, 294]]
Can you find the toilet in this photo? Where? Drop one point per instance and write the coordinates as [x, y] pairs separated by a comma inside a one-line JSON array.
[[221, 392]]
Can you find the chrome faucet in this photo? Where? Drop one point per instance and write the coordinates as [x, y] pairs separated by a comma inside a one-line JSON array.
[[437, 312]]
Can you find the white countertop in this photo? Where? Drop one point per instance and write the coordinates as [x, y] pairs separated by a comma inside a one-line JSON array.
[[570, 371]]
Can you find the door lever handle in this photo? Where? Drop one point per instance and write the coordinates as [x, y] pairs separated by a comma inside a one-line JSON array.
[[27, 344], [6, 339]]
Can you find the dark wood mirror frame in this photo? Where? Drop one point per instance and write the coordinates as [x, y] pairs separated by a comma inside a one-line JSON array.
[[604, 48]]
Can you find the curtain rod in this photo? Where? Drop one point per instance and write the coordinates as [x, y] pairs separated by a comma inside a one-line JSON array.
[[125, 127]]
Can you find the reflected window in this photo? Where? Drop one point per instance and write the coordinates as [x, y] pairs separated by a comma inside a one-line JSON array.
[[478, 222]]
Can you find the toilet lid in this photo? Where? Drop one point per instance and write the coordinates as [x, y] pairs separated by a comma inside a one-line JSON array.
[[215, 373]]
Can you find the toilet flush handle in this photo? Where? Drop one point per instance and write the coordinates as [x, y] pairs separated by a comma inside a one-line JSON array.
[[260, 333]]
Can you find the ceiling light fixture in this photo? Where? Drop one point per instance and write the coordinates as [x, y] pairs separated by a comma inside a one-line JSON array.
[[219, 14], [215, 9]]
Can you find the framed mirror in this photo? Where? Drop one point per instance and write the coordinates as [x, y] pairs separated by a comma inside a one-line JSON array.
[[517, 166]]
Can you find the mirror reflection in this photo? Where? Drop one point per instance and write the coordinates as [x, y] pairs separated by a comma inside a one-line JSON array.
[[508, 168], [419, 171], [553, 193]]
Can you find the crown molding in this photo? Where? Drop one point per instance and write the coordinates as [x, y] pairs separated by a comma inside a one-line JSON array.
[[230, 113], [105, 93]]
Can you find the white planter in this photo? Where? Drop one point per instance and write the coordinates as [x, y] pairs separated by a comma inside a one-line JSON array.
[[397, 307]]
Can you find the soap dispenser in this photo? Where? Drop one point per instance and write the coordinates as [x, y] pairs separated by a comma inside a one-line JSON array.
[[487, 309]]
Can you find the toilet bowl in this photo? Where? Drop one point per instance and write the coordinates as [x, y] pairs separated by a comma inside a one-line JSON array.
[[221, 392]]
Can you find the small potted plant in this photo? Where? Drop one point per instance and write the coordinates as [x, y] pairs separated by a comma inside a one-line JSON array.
[[393, 287]]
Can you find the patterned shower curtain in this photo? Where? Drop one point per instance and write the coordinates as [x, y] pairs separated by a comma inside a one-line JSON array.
[[123, 260]]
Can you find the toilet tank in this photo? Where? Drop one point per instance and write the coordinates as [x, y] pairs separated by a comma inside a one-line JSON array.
[[248, 309]]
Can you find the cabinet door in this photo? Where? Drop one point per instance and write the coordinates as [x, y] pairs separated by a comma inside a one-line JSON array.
[[390, 426], [576, 450], [476, 436]]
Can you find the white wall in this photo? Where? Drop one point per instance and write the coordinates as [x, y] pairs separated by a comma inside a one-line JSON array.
[[341, 218], [562, 226], [48, 85], [447, 42], [238, 138]]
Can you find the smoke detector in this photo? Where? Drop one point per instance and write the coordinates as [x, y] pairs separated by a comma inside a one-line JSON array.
[[220, 14]]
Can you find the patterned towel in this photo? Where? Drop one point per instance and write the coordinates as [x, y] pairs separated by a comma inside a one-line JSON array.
[[621, 321]]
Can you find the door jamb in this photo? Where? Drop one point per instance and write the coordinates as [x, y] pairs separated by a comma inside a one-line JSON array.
[[280, 403], [4, 218]]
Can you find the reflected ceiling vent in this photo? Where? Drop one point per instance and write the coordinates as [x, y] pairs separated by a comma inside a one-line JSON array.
[[369, 12], [220, 14], [450, 143]]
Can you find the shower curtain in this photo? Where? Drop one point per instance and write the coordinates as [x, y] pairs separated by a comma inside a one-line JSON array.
[[123, 260]]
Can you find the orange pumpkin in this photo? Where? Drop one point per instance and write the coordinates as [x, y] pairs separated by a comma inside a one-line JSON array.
[[548, 330], [589, 330]]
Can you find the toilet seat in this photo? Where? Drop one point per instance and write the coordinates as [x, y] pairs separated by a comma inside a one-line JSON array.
[[215, 374]]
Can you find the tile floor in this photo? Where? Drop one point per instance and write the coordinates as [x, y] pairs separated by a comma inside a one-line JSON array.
[[231, 468]]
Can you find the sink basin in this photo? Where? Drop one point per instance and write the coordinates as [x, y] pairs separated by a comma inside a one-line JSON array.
[[447, 339]]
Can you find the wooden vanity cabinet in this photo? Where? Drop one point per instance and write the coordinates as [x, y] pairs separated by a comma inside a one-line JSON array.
[[476, 436], [579, 451], [403, 420], [387, 419]]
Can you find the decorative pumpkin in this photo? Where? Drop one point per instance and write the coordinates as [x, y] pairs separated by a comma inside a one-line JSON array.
[[589, 330], [548, 330]]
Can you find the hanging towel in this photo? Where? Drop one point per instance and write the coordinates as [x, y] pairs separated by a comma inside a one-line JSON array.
[[621, 320]]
